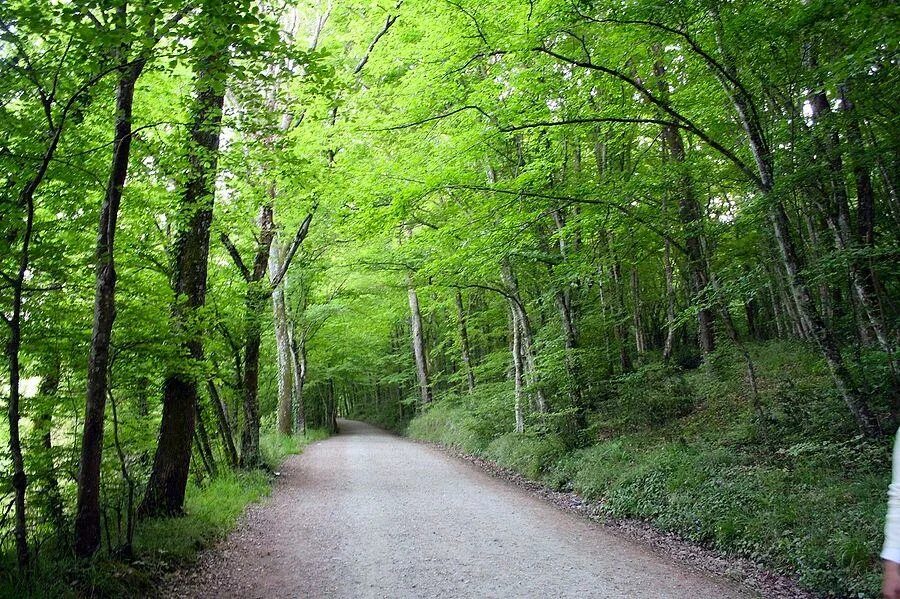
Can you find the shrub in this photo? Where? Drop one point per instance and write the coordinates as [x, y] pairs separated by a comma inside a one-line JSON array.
[[651, 396], [529, 455]]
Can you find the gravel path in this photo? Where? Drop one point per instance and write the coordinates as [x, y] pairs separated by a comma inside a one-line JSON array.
[[368, 514]]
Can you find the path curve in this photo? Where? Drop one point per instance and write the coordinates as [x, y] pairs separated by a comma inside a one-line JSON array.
[[369, 514]]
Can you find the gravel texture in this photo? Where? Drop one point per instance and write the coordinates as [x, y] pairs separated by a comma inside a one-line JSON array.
[[369, 514]]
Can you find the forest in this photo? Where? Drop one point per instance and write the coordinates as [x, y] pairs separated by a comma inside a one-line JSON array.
[[647, 251]]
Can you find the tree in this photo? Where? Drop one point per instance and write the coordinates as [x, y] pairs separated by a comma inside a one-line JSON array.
[[168, 478], [130, 64]]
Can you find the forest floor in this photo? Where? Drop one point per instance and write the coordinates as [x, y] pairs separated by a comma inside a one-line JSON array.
[[369, 514]]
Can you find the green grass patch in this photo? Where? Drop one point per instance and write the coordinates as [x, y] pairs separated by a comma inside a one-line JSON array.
[[210, 513], [531, 455], [275, 447]]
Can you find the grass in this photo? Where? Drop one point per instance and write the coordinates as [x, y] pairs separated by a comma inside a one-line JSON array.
[[275, 447], [164, 544], [686, 451]]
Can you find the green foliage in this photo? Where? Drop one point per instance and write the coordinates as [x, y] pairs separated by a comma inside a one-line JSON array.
[[510, 163], [816, 515], [449, 425], [210, 512], [161, 545], [650, 396], [530, 455]]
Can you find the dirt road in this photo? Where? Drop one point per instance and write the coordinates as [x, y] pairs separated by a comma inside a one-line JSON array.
[[367, 514]]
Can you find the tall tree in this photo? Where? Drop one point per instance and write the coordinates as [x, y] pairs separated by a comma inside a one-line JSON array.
[[171, 462], [131, 63], [259, 289]]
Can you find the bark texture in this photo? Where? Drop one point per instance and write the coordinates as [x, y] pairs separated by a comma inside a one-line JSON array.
[[417, 337], [691, 220], [298, 358], [808, 315], [464, 342], [511, 283], [87, 511], [258, 292], [282, 344], [171, 463], [518, 366]]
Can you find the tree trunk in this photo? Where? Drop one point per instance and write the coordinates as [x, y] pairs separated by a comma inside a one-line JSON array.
[[619, 328], [778, 217], [691, 220], [566, 307], [14, 347], [171, 463], [640, 343], [225, 429], [258, 291], [203, 438], [255, 303], [282, 343], [298, 356], [518, 366], [865, 195], [821, 333], [464, 342], [670, 301], [331, 408], [19, 479], [751, 310], [13, 320], [776, 308], [43, 425], [198, 446], [527, 340], [87, 511], [418, 342], [838, 218]]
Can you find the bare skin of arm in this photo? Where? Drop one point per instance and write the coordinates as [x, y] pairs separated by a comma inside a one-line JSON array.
[[890, 586]]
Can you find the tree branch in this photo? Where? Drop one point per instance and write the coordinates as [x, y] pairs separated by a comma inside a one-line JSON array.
[[475, 57], [570, 200], [502, 292], [302, 232], [59, 67], [583, 120], [320, 26], [685, 122], [436, 118], [235, 256], [706, 56], [387, 25], [472, 18], [30, 72], [169, 25]]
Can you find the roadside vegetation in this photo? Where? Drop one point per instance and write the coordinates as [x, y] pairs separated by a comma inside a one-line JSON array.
[[800, 492], [161, 545]]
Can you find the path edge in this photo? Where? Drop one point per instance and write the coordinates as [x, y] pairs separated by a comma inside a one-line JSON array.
[[747, 574]]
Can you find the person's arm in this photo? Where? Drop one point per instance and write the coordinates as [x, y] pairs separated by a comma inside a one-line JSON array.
[[890, 552]]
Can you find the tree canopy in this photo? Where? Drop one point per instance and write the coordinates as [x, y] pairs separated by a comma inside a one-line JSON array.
[[222, 217]]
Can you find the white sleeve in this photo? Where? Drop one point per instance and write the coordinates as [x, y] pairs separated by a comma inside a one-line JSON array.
[[891, 549]]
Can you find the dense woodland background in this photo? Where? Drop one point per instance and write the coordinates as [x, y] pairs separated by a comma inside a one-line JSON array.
[[644, 250]]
